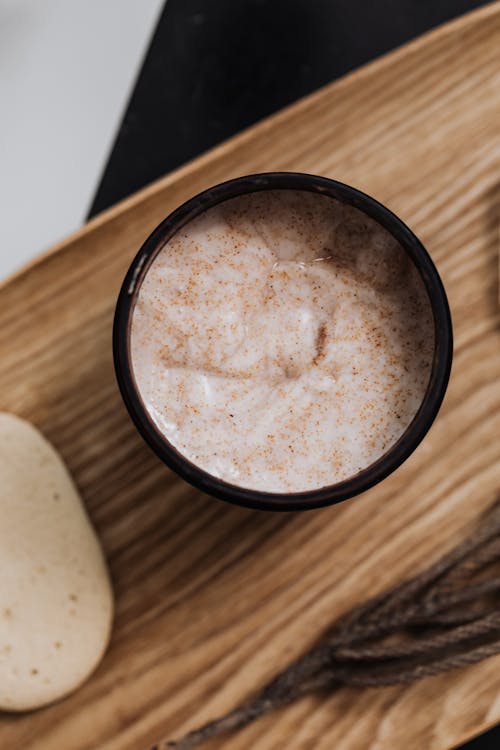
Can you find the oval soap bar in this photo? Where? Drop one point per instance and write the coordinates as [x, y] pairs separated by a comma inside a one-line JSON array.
[[56, 602]]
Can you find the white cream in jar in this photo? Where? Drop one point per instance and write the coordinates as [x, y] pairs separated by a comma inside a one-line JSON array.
[[282, 341]]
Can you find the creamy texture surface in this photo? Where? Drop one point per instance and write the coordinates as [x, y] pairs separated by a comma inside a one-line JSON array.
[[282, 341]]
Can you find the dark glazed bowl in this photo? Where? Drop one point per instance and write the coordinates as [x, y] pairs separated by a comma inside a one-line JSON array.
[[374, 473]]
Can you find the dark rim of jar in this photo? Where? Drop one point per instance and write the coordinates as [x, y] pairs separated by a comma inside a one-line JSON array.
[[395, 455]]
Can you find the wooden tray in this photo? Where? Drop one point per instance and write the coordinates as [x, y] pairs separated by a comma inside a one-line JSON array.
[[212, 600]]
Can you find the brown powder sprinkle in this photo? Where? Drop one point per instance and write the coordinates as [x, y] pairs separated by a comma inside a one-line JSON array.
[[286, 314]]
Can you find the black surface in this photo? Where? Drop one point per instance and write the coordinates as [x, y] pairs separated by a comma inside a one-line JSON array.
[[487, 741], [216, 66]]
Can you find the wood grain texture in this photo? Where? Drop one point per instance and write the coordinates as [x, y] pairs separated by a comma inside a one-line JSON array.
[[212, 600]]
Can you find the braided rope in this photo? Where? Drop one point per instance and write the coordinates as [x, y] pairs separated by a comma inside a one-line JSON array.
[[418, 629]]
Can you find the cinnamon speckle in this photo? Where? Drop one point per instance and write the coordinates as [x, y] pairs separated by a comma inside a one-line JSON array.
[[299, 315]]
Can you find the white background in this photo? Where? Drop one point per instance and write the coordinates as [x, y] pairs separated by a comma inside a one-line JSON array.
[[67, 68]]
